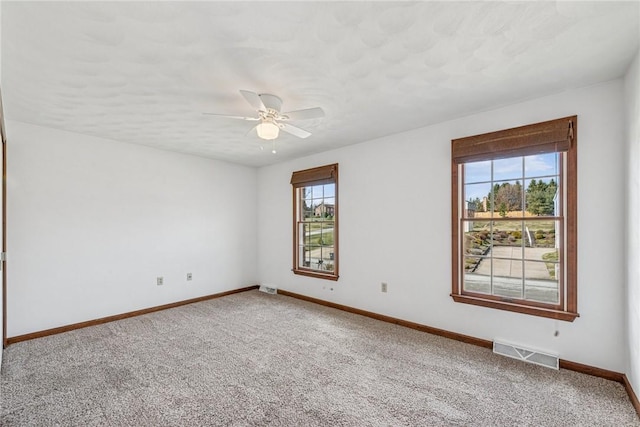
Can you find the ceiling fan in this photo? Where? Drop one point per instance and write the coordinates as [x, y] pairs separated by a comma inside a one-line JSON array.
[[271, 119]]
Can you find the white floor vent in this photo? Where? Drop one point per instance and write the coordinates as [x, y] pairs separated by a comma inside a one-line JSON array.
[[268, 289], [526, 355]]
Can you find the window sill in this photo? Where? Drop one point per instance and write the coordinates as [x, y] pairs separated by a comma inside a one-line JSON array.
[[517, 308], [316, 274]]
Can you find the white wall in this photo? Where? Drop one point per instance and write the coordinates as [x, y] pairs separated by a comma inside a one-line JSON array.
[[632, 98], [1, 295], [93, 222], [395, 227]]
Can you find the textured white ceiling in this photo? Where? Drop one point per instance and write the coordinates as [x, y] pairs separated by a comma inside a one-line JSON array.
[[143, 72]]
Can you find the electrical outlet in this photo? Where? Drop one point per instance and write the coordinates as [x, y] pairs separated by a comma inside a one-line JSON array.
[[383, 287], [189, 276], [160, 281]]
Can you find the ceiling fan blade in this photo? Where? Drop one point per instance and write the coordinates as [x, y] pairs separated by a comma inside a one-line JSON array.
[[250, 119], [271, 101], [293, 130], [308, 113], [253, 99]]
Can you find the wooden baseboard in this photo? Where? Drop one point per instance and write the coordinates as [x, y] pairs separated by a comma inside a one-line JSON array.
[[632, 395], [61, 329], [564, 364], [592, 370]]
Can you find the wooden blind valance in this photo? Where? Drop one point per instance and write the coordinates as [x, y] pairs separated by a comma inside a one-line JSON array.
[[319, 175], [546, 137]]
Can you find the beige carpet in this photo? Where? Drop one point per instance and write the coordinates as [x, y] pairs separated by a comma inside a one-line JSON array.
[[253, 359]]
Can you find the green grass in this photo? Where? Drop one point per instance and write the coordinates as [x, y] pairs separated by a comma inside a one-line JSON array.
[[551, 259], [317, 223], [324, 239], [511, 225]]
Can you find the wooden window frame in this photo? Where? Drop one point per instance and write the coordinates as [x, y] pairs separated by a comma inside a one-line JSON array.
[[559, 136], [321, 175]]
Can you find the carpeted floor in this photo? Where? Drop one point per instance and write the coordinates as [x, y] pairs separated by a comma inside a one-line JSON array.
[[253, 359]]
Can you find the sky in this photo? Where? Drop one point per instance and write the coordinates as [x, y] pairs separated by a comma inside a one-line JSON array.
[[326, 192]]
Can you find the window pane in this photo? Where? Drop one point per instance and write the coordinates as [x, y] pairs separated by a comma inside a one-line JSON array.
[[317, 192], [314, 256], [307, 210], [304, 232], [477, 237], [542, 197], [506, 199], [303, 256], [325, 238], [306, 192], [541, 237], [542, 265], [477, 274], [477, 264], [477, 201], [330, 190], [507, 169], [477, 172], [541, 282], [507, 239], [327, 208], [327, 258], [507, 278], [306, 203], [541, 165]]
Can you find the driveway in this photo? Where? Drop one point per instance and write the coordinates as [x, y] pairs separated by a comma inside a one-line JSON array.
[[507, 275], [507, 262]]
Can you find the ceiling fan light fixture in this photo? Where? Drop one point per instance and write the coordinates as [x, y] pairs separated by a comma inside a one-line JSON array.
[[268, 130]]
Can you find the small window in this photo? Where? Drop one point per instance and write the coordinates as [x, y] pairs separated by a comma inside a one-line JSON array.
[[315, 222], [514, 219]]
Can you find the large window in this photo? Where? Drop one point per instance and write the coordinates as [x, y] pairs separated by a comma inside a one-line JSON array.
[[315, 222], [514, 219]]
